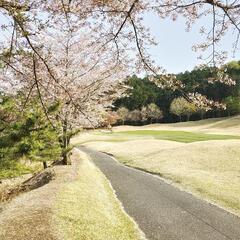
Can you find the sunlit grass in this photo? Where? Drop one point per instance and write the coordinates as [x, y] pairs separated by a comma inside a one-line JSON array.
[[225, 126], [205, 164], [88, 209], [209, 169], [178, 136]]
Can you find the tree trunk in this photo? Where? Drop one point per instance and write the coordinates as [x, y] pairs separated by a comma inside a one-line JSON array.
[[64, 157], [65, 143], [202, 113], [180, 117], [45, 165]]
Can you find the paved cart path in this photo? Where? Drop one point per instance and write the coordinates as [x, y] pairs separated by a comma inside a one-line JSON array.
[[162, 211]]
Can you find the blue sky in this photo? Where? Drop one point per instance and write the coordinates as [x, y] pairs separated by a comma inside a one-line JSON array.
[[174, 50]]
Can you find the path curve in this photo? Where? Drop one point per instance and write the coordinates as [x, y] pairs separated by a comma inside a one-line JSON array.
[[162, 211]]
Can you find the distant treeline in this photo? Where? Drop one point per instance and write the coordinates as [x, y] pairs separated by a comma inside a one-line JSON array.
[[144, 92]]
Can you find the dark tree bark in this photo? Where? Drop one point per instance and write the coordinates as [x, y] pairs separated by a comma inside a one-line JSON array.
[[45, 165], [65, 143]]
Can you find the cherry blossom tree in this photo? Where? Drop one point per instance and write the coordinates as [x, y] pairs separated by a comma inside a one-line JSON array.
[[151, 112], [123, 114], [116, 28], [78, 76], [135, 115], [120, 23], [110, 118]]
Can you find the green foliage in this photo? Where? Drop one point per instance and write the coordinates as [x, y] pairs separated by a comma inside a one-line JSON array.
[[232, 105], [235, 65], [181, 107], [42, 145], [143, 92], [10, 169], [25, 133]]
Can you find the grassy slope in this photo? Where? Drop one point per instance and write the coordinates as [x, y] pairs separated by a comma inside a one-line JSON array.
[[227, 126], [88, 209], [209, 169], [178, 136], [78, 203]]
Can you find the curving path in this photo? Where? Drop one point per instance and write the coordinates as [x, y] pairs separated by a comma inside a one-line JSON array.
[[162, 211]]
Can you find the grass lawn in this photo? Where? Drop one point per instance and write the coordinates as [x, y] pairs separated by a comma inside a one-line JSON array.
[[225, 126], [208, 165], [87, 208], [78, 204], [178, 136], [209, 169]]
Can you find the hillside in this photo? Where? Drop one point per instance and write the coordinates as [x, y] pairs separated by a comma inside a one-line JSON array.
[[227, 125]]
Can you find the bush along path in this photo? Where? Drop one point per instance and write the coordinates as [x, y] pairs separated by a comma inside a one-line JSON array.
[[161, 210], [79, 203]]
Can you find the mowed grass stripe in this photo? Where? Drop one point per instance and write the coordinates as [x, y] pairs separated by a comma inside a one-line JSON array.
[[178, 136]]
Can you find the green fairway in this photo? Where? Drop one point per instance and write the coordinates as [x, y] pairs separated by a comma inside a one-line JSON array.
[[178, 136], [199, 162]]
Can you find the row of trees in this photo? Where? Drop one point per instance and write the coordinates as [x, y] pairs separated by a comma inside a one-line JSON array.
[[148, 113], [142, 92], [63, 63], [30, 134], [56, 77]]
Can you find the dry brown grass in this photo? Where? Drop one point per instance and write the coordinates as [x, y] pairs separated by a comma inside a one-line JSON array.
[[78, 204], [210, 169], [88, 136], [131, 150], [28, 216], [228, 126], [87, 208], [7, 185]]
